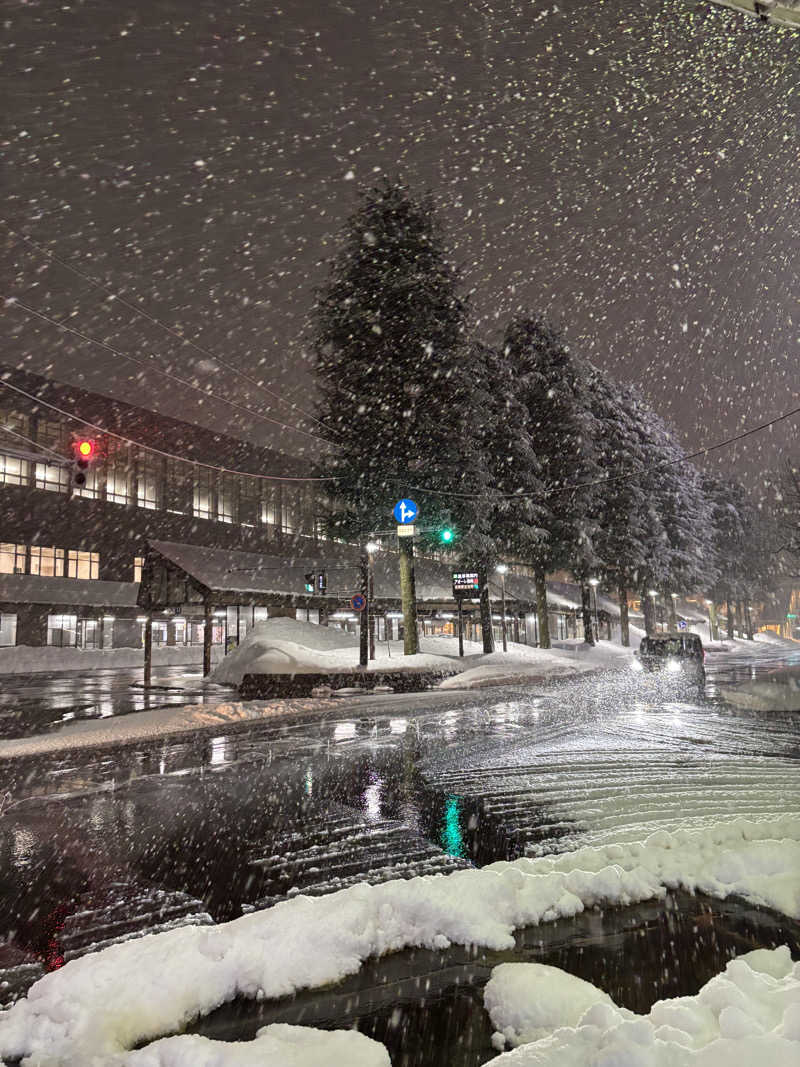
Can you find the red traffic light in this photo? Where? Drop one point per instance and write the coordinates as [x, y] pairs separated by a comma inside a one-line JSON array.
[[86, 448]]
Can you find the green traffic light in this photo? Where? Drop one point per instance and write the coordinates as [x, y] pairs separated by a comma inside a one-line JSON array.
[[446, 536]]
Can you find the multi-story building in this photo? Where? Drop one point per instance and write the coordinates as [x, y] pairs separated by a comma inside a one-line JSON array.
[[70, 556]]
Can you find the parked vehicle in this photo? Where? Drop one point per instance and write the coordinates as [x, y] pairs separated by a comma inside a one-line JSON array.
[[672, 652]]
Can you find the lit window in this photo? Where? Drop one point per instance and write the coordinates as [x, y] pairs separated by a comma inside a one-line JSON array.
[[118, 477], [290, 512], [52, 477], [138, 563], [13, 471], [148, 481], [47, 562], [249, 501], [226, 499], [91, 491], [83, 564], [12, 559], [8, 630], [203, 494], [270, 506]]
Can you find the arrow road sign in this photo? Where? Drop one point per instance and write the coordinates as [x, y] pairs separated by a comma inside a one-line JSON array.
[[405, 511]]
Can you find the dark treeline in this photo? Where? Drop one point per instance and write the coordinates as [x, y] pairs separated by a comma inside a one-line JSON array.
[[532, 454]]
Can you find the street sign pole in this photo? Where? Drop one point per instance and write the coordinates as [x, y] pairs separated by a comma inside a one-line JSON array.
[[405, 512], [461, 626]]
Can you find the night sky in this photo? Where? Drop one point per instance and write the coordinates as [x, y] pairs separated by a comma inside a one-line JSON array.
[[631, 168]]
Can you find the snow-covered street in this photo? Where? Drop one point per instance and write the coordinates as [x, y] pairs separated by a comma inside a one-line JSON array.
[[616, 788]]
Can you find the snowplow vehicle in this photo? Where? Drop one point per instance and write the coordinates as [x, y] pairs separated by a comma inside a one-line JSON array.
[[675, 653]]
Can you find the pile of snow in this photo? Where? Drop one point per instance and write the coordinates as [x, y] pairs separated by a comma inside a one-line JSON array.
[[288, 646], [102, 1004], [527, 1001], [748, 1014], [278, 1044], [524, 663], [30, 659]]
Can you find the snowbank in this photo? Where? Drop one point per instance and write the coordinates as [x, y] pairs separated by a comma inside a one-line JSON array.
[[278, 1044], [29, 659], [102, 1004], [748, 1014], [288, 646], [527, 1001]]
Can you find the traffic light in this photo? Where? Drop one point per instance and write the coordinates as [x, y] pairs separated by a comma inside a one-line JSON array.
[[311, 581], [446, 536], [84, 453]]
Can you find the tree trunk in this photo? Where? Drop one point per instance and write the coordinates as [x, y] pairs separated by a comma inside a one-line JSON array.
[[541, 608], [208, 619], [740, 617], [713, 621], [363, 623], [624, 621], [586, 614], [486, 613], [731, 619], [748, 621], [673, 615], [408, 592], [649, 611]]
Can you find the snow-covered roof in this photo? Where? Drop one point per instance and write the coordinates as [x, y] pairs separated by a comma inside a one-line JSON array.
[[36, 589]]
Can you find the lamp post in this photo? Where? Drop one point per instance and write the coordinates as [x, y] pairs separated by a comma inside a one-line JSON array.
[[371, 547], [502, 570], [653, 593], [594, 582]]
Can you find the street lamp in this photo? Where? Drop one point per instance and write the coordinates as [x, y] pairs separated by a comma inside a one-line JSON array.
[[372, 547], [673, 621], [594, 582], [502, 569]]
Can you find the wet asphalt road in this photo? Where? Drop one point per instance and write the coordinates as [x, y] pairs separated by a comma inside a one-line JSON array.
[[99, 845]]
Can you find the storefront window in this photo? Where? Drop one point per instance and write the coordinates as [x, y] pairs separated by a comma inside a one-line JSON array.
[[203, 494], [62, 630]]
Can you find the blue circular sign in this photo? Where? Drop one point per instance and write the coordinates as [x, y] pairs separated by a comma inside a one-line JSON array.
[[358, 602], [405, 511]]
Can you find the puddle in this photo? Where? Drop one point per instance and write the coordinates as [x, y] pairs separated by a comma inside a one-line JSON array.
[[427, 1007]]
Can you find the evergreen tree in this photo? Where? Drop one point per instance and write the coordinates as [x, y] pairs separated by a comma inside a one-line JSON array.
[[396, 388], [557, 452], [626, 525]]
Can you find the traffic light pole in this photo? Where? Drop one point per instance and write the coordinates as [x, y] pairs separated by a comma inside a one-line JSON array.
[[460, 626]]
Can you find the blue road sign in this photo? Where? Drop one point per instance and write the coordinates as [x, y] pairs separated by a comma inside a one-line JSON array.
[[681, 624], [405, 511], [358, 602]]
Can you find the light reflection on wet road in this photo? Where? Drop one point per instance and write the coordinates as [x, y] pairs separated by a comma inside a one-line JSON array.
[[392, 787]]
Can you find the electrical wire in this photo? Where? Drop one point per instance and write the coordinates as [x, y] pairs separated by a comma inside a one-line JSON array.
[[36, 444], [156, 322], [14, 302], [156, 451]]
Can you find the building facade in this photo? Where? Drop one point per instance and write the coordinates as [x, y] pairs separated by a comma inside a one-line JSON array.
[[70, 556]]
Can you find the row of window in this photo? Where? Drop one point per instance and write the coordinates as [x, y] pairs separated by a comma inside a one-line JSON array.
[[48, 561], [122, 474]]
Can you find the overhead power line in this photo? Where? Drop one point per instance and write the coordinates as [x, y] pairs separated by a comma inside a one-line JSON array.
[[150, 448], [14, 302], [162, 325]]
